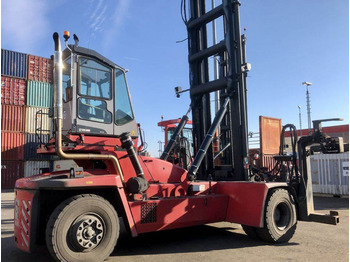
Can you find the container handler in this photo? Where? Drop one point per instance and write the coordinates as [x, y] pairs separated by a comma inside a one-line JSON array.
[[181, 150], [76, 211]]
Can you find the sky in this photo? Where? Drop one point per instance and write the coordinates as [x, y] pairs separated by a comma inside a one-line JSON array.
[[288, 42]]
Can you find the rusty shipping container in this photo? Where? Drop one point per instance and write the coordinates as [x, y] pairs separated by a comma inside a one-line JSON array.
[[12, 146], [13, 64], [39, 94], [31, 145], [268, 161], [39, 69], [35, 120], [13, 90], [12, 118], [10, 172]]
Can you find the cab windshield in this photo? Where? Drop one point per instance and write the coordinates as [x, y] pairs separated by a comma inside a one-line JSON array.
[[95, 79]]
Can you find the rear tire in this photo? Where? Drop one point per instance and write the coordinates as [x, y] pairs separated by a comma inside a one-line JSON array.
[[280, 219], [82, 228]]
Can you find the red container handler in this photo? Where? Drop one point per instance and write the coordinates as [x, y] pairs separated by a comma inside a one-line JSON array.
[[13, 118], [10, 172], [13, 91], [12, 146], [40, 69]]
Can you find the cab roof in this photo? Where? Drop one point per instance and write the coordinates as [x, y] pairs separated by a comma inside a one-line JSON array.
[[91, 53]]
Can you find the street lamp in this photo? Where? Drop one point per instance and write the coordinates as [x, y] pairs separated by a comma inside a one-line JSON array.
[[300, 127], [307, 84]]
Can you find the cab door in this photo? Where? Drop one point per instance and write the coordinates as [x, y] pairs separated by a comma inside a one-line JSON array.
[[94, 97]]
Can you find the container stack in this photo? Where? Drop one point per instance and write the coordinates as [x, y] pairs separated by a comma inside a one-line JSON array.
[[39, 100], [13, 111], [26, 88]]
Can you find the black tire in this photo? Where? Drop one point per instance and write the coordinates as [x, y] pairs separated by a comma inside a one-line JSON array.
[[280, 219], [82, 228], [250, 231]]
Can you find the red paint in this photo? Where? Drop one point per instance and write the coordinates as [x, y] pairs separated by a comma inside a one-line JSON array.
[[12, 118], [181, 212], [247, 201], [40, 69], [90, 143], [23, 212], [91, 179], [13, 91], [12, 146], [10, 172], [164, 171]]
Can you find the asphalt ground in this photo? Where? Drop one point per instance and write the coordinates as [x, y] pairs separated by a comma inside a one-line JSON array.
[[213, 242]]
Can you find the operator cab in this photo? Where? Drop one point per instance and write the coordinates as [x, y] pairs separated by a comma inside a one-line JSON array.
[[96, 98]]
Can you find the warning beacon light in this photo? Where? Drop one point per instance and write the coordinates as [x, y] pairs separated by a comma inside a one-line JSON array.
[[66, 35]]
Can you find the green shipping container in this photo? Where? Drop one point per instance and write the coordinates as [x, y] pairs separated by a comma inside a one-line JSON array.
[[39, 94]]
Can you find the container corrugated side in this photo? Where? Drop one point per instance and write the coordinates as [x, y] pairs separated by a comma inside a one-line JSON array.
[[13, 63], [32, 168], [43, 121], [12, 146], [12, 118], [39, 69], [268, 161], [31, 146], [10, 172], [327, 174], [39, 94], [13, 90]]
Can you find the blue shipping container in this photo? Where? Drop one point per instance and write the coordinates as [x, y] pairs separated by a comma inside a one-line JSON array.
[[13, 64], [32, 144]]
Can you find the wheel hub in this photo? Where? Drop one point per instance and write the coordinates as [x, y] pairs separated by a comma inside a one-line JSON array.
[[282, 216], [88, 232]]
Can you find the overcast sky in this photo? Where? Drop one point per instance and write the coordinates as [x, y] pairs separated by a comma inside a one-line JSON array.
[[288, 42]]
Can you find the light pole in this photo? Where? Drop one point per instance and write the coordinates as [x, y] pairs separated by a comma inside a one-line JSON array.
[[307, 84], [300, 127]]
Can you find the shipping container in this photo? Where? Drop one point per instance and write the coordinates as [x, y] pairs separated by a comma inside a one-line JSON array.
[[330, 174], [31, 145], [10, 172], [268, 160], [12, 118], [39, 94], [32, 168], [39, 69], [12, 146], [13, 90], [36, 120], [13, 64]]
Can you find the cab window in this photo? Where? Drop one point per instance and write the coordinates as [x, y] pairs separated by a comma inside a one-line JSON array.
[[94, 110], [123, 110], [95, 79], [66, 81]]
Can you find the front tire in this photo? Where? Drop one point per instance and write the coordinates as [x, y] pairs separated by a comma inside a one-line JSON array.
[[82, 228], [280, 217]]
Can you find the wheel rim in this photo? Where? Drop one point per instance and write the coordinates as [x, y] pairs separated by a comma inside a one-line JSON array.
[[87, 232], [282, 216]]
